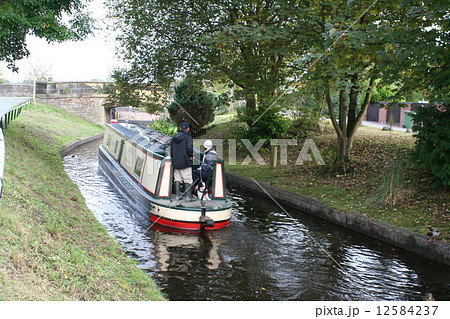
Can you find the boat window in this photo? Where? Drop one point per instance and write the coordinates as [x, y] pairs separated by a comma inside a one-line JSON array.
[[138, 166], [108, 141], [128, 155], [115, 147]]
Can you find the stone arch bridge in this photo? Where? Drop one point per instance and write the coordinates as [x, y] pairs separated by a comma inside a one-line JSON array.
[[84, 99]]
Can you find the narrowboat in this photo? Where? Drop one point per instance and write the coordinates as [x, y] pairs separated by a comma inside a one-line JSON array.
[[137, 160], [132, 115]]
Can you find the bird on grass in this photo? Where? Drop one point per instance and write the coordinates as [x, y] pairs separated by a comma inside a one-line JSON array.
[[432, 233]]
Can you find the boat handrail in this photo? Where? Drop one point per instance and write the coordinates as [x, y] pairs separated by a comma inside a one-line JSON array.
[[149, 134]]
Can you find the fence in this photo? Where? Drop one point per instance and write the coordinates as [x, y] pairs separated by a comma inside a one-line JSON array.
[[5, 119]]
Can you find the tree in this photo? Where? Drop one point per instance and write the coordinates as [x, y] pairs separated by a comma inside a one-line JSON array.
[[38, 72], [252, 43], [342, 48], [344, 59], [356, 46], [44, 19], [192, 104], [126, 92], [384, 93], [421, 60]]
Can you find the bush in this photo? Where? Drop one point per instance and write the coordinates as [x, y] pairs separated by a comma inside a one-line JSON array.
[[432, 151], [304, 124], [221, 103], [165, 126], [266, 125], [192, 104]]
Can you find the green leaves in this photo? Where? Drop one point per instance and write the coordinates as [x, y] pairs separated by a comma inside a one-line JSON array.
[[126, 92], [433, 141], [415, 11], [41, 18], [269, 47], [252, 43], [192, 104]]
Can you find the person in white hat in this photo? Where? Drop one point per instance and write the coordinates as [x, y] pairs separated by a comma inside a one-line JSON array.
[[209, 156]]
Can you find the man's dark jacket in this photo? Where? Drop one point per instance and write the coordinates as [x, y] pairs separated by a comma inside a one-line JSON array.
[[181, 150]]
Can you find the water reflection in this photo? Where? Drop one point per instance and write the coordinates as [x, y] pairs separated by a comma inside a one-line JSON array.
[[170, 247], [262, 255]]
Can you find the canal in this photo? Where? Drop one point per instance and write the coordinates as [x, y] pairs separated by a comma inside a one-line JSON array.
[[263, 255]]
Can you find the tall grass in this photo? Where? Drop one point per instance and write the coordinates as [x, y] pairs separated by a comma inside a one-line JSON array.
[[391, 190]]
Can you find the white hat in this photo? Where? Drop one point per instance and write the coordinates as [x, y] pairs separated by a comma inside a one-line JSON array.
[[207, 144]]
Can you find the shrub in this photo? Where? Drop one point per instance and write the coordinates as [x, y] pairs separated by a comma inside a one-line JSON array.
[[432, 151], [304, 124], [165, 126], [192, 104], [221, 103], [266, 125]]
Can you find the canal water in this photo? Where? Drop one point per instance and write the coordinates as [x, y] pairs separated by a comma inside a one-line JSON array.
[[263, 255]]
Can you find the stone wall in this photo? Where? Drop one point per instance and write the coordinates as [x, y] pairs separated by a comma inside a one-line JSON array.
[[74, 145], [89, 108], [16, 90], [81, 98], [64, 89], [84, 99]]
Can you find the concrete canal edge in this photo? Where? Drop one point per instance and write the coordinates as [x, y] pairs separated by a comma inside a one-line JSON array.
[[72, 146], [438, 251]]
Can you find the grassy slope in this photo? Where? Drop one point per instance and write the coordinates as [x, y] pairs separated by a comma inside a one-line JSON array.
[[51, 245], [419, 205]]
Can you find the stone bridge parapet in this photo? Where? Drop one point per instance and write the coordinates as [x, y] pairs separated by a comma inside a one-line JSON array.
[[84, 99]]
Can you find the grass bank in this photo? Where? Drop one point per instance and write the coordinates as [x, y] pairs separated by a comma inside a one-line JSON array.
[[417, 204], [51, 245]]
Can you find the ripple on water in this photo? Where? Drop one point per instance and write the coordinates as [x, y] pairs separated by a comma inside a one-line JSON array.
[[263, 255]]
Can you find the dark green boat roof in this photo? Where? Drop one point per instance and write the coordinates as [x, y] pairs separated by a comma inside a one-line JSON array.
[[144, 137]]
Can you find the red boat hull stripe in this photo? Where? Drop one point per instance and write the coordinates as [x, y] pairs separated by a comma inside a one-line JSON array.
[[186, 225]]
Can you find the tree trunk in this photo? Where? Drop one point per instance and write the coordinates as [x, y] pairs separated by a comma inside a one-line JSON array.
[[231, 96], [344, 147], [349, 121], [250, 102], [250, 108]]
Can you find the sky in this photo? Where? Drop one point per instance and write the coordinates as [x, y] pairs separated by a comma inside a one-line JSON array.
[[93, 58]]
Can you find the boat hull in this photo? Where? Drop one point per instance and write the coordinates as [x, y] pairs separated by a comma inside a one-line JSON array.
[[168, 213], [188, 219]]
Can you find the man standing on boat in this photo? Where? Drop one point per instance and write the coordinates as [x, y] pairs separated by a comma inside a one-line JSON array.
[[182, 153]]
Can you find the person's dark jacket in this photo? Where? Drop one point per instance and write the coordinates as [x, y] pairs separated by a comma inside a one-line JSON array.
[[181, 150], [208, 159]]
